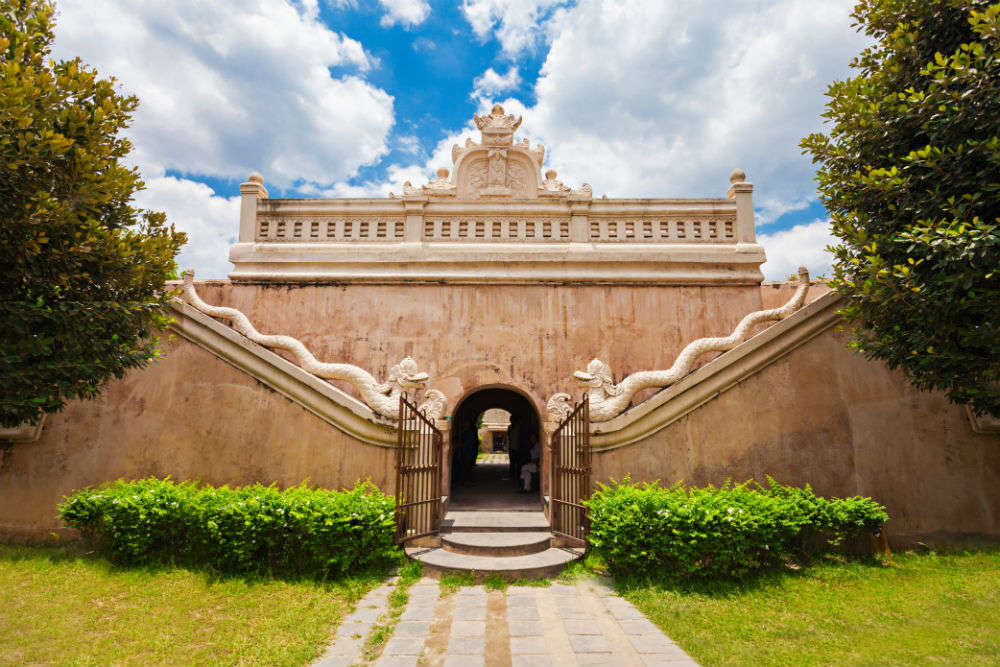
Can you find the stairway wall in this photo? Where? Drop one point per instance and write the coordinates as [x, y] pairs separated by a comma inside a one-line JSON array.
[[825, 416], [190, 416]]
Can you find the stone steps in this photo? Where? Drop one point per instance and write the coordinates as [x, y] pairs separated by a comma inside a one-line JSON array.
[[473, 521], [513, 545], [548, 563], [520, 543]]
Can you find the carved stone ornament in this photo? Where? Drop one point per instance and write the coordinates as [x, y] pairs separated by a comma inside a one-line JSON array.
[[381, 397], [608, 400], [440, 186], [552, 187], [558, 408], [497, 127], [435, 404]]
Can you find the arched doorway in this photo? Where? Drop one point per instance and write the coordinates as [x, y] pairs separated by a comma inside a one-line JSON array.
[[496, 480]]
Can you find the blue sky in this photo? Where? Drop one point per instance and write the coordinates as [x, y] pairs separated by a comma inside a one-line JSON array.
[[350, 98]]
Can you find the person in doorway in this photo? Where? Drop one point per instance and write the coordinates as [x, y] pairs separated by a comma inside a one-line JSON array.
[[513, 433], [530, 468]]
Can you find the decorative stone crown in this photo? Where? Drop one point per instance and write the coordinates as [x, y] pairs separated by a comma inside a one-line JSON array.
[[496, 167]]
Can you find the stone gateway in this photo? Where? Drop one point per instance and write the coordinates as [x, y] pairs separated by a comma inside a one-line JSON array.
[[494, 298]]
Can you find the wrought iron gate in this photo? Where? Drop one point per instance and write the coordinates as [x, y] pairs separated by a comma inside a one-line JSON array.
[[418, 474], [571, 474]]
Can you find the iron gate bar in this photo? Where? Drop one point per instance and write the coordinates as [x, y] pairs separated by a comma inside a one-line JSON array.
[[418, 474], [571, 471]]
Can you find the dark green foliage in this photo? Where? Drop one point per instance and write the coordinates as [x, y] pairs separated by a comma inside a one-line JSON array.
[[296, 531], [726, 532], [81, 290], [910, 173]]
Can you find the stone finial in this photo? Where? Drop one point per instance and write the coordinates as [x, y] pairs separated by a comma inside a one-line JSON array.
[[497, 127], [738, 176], [255, 178], [440, 186], [550, 175]]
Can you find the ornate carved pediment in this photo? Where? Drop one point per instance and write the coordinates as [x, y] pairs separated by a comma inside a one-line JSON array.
[[496, 166]]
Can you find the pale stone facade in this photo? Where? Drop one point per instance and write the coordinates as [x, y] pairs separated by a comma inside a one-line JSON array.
[[502, 283], [497, 220]]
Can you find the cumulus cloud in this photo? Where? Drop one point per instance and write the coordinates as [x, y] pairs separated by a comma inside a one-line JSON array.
[[407, 13], [210, 222], [491, 83], [227, 88], [802, 245], [519, 25], [230, 87], [650, 98]]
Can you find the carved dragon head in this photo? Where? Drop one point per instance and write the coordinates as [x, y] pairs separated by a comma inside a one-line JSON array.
[[598, 377], [434, 405], [404, 376], [558, 407]]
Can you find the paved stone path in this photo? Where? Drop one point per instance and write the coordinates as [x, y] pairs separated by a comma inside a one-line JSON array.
[[580, 625], [495, 458], [349, 642]]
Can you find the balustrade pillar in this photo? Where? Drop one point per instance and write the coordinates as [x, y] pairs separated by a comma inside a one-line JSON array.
[[414, 208], [250, 193], [742, 192]]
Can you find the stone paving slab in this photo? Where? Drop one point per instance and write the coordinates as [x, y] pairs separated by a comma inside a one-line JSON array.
[[564, 625], [349, 640], [524, 628]]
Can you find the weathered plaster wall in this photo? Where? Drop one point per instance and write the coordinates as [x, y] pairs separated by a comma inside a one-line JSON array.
[[828, 417], [821, 415], [775, 295], [532, 337], [190, 416]]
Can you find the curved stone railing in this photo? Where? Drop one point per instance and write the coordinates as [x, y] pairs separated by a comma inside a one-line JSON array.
[[382, 397], [607, 399], [717, 376]]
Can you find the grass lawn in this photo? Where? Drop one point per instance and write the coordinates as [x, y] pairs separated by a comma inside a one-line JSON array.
[[913, 609], [60, 607]]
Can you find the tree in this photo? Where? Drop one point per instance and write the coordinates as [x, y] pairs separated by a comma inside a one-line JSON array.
[[82, 280], [910, 173]]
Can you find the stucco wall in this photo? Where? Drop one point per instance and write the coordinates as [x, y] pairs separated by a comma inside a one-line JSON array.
[[826, 416], [532, 337], [190, 416]]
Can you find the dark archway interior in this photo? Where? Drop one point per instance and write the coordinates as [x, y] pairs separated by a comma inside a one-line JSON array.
[[493, 485]]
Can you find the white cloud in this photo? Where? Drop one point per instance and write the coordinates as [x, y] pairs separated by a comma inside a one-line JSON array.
[[650, 98], [231, 87], [802, 245], [227, 88], [407, 13], [210, 222], [518, 25], [491, 83]]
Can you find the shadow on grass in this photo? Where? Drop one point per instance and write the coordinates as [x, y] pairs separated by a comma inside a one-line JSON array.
[[81, 552], [768, 578]]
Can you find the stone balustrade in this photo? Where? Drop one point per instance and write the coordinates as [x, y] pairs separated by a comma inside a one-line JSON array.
[[498, 220]]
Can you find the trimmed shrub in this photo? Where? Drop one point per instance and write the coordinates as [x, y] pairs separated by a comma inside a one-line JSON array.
[[729, 531], [261, 529]]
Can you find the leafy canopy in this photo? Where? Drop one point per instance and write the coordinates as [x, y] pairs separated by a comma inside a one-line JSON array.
[[81, 290], [910, 173]]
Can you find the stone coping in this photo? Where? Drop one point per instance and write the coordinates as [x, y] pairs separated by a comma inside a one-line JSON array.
[[500, 263], [717, 376], [330, 404]]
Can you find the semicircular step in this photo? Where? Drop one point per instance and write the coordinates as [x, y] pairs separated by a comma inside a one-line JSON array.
[[497, 543], [533, 566]]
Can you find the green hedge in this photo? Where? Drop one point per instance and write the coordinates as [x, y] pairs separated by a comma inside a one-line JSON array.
[[713, 532], [296, 531]]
